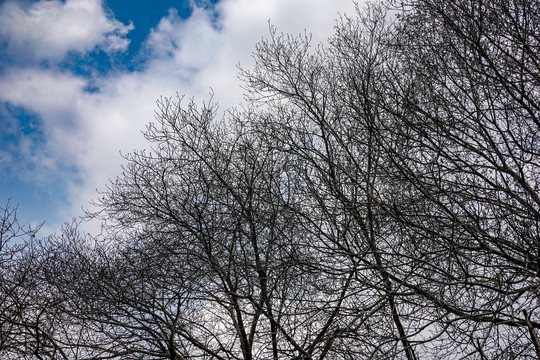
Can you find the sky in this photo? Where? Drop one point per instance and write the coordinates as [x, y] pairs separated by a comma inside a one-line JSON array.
[[79, 81]]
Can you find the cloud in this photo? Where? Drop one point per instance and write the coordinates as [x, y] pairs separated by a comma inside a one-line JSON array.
[[52, 97], [56, 97], [176, 46], [48, 30], [245, 22]]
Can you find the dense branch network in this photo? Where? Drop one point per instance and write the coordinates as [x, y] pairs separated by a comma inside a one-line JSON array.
[[378, 198]]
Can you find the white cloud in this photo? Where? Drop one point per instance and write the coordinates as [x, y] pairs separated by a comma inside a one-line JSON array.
[[46, 90], [185, 56], [53, 96], [178, 46], [50, 29], [245, 22]]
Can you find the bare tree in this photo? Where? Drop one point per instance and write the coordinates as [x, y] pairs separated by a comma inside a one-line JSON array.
[[214, 201], [423, 132], [381, 203], [27, 310], [12, 242], [465, 100]]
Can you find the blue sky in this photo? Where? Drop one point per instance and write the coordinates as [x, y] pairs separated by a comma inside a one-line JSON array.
[[79, 80]]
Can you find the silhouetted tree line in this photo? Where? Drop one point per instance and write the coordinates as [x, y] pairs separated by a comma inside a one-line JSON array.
[[377, 198]]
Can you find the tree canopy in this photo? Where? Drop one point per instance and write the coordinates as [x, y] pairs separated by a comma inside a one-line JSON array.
[[377, 198]]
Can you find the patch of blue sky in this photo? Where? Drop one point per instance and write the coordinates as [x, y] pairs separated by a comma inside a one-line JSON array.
[[144, 15], [21, 140], [18, 122], [4, 57], [32, 198], [95, 63]]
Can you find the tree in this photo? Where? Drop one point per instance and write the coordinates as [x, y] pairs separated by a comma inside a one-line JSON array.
[[331, 132], [10, 248], [378, 198], [427, 126], [403, 155], [215, 201], [28, 316], [468, 105]]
